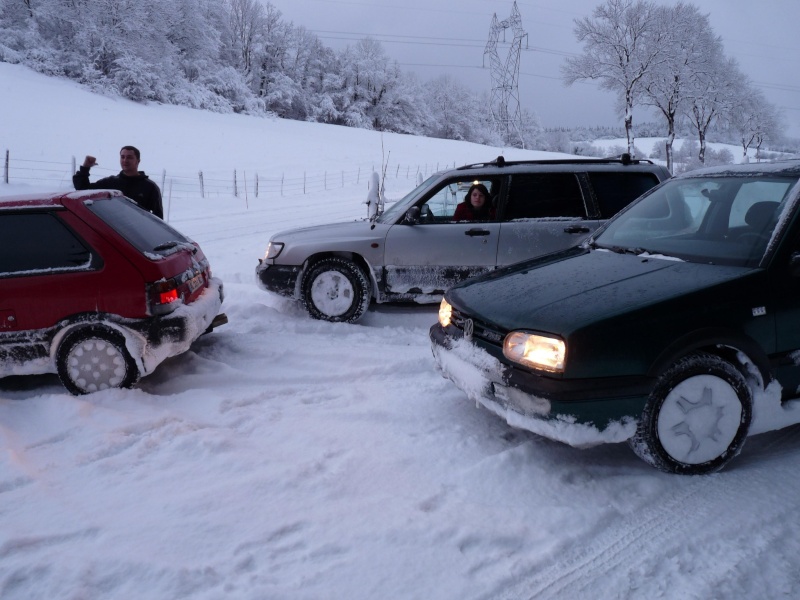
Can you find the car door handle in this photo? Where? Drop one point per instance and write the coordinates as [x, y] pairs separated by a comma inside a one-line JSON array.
[[474, 232], [577, 229]]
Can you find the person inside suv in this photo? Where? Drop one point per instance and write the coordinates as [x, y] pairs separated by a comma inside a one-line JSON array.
[[476, 205], [131, 181]]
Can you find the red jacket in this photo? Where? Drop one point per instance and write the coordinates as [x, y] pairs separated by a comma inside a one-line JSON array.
[[465, 212]]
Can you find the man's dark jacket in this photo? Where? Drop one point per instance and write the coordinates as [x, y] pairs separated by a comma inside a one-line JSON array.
[[140, 188]]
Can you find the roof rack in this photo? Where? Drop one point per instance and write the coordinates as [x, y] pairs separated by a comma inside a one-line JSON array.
[[501, 162]]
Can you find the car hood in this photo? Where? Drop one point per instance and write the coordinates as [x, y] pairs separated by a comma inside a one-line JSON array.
[[318, 233], [563, 292]]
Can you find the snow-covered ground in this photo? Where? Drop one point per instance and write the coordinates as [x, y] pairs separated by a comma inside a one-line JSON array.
[[286, 458]]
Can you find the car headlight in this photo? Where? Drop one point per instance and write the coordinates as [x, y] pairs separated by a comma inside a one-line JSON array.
[[273, 250], [534, 350], [445, 313]]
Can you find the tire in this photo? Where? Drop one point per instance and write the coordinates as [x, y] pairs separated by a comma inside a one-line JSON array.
[[94, 358], [335, 289], [697, 417]]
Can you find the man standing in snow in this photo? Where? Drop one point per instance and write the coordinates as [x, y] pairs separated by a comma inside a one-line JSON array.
[[131, 181]]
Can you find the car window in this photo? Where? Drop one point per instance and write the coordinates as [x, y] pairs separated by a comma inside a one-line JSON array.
[[142, 229], [766, 194], [615, 190], [36, 242], [545, 195], [443, 201], [393, 211]]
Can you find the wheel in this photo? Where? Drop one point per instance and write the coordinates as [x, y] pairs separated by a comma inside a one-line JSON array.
[[696, 418], [335, 289], [94, 358]]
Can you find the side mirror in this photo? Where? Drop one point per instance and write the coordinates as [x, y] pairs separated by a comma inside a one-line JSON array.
[[426, 214], [412, 216]]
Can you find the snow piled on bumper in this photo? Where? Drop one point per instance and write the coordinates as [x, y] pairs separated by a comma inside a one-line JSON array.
[[196, 317], [473, 371]]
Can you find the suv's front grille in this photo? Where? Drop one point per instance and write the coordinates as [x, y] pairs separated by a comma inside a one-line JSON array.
[[480, 329]]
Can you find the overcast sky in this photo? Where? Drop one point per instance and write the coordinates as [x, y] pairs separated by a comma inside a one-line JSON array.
[[431, 37]]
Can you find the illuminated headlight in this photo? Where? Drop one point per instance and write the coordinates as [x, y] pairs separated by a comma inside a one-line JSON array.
[[532, 350], [445, 313], [273, 250]]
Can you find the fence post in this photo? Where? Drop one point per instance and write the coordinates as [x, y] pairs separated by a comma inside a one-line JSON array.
[[304, 182], [169, 199], [202, 185], [163, 178], [235, 185], [256, 185], [5, 169]]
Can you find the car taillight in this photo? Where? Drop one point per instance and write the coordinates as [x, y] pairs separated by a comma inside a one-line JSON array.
[[167, 297], [163, 297]]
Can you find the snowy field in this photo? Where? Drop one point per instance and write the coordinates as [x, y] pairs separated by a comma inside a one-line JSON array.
[[286, 458]]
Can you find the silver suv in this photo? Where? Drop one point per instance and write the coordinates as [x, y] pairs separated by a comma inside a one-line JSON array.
[[415, 250]]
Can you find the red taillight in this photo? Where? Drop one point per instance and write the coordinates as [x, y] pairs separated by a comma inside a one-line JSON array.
[[163, 297], [167, 297]]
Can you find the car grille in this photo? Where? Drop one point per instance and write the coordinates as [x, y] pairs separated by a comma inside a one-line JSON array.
[[480, 329]]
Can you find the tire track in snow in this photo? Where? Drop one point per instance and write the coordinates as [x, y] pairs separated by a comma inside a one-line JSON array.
[[623, 547]]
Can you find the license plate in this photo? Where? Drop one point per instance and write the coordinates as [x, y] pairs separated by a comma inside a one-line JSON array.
[[195, 283]]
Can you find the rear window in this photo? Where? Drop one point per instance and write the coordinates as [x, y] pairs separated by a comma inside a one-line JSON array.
[[32, 243], [614, 191], [143, 230], [545, 195]]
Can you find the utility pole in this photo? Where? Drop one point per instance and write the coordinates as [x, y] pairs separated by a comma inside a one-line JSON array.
[[505, 76]]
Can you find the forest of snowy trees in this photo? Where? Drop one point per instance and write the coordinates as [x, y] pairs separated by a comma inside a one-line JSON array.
[[242, 56], [233, 55]]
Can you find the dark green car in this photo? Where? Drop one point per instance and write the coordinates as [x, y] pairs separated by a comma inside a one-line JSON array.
[[675, 327]]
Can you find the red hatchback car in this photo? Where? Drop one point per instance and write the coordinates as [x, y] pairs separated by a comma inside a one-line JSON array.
[[98, 290]]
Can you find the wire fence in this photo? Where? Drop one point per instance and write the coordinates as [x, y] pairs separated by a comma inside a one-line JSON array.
[[217, 183]]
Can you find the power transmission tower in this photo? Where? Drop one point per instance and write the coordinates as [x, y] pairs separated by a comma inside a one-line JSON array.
[[505, 76]]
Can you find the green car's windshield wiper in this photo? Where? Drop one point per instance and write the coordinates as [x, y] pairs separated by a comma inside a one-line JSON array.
[[621, 249]]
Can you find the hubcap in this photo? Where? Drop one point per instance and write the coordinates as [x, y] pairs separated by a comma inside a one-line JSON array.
[[699, 419], [332, 293], [96, 364]]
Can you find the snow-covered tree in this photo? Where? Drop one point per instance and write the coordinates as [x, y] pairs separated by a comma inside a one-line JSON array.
[[752, 119], [452, 107], [687, 41], [710, 95], [622, 41]]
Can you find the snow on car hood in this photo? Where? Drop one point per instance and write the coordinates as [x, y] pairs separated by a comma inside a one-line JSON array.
[[564, 292], [318, 233]]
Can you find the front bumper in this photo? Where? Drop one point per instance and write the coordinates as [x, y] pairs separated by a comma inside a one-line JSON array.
[[580, 413], [280, 279]]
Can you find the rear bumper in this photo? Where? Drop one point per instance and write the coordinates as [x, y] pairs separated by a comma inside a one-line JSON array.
[[149, 341], [280, 279], [173, 334]]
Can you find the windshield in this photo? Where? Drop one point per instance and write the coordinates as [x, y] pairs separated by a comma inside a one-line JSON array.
[[399, 208], [719, 220]]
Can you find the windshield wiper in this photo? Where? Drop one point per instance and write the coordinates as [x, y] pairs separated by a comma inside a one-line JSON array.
[[176, 244], [621, 249], [166, 245]]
